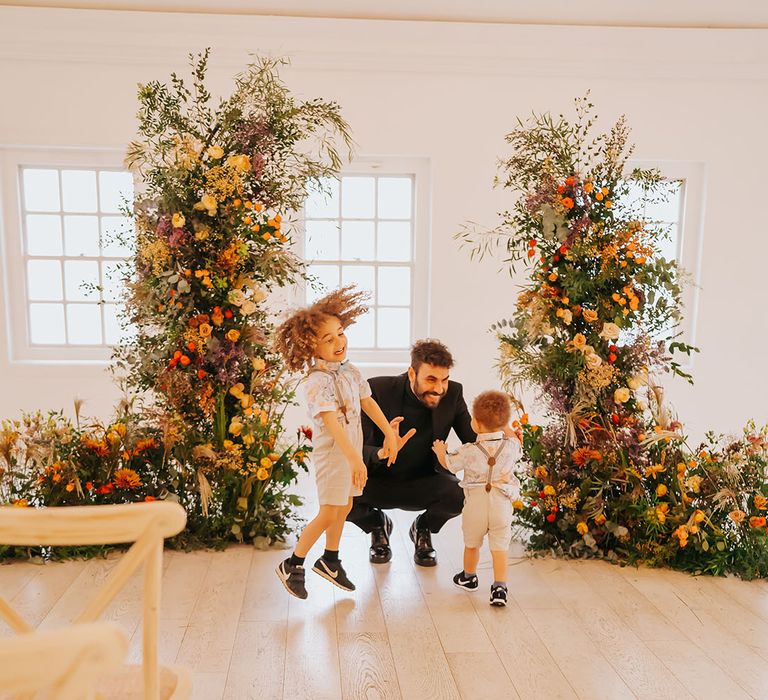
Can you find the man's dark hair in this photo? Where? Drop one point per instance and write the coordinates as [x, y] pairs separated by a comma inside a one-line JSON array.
[[431, 352]]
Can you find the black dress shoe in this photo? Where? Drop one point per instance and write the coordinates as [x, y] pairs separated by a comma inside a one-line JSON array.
[[380, 552], [424, 554]]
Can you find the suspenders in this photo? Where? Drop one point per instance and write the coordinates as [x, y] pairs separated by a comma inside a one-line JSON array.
[[337, 389], [491, 460]]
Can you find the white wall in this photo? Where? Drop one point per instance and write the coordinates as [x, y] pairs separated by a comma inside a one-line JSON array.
[[448, 92]]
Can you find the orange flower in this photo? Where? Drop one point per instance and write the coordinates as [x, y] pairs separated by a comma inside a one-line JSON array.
[[661, 512], [149, 499], [761, 502], [654, 469], [70, 487], [233, 335], [127, 479], [757, 521], [599, 519], [661, 490], [567, 202], [583, 455], [737, 516], [590, 315], [582, 528], [588, 187], [21, 503], [205, 330]]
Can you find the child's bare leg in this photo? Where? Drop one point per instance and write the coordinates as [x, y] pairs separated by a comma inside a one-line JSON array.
[[333, 533], [315, 527], [500, 565], [471, 558]]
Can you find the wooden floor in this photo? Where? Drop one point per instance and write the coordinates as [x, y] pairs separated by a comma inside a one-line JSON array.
[[572, 629]]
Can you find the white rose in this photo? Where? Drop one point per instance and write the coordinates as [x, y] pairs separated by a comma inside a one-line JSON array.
[[236, 297], [593, 360], [610, 331], [636, 381]]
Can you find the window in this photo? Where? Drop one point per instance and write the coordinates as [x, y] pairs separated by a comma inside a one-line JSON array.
[[682, 216], [64, 247], [367, 228]]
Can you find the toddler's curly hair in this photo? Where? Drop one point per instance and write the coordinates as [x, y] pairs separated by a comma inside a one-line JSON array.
[[296, 338], [492, 409]]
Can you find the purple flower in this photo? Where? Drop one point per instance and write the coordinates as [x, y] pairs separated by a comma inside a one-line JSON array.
[[163, 226], [176, 238]]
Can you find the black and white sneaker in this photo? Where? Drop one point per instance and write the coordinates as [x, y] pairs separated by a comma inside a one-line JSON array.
[[466, 581], [499, 595], [334, 572], [292, 576]]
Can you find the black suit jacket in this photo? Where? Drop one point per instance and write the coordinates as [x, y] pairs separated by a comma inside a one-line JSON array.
[[389, 393]]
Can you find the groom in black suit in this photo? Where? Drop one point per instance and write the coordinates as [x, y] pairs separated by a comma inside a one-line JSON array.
[[426, 405]]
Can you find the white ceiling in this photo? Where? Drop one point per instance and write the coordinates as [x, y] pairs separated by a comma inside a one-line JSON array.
[[735, 14]]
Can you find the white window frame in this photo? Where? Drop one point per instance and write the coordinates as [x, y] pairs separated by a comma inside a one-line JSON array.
[[12, 160], [690, 239], [419, 170]]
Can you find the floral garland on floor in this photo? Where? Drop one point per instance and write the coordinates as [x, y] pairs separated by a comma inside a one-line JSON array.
[[211, 244], [611, 475]]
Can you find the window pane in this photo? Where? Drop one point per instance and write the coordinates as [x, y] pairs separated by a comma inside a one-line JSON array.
[[44, 280], [357, 240], [394, 241], [395, 197], [83, 324], [362, 276], [78, 273], [668, 211], [361, 333], [111, 281], [46, 324], [322, 240], [327, 280], [41, 190], [357, 197], [113, 333], [79, 190], [394, 328], [117, 236], [395, 286], [81, 235], [668, 242], [323, 200], [114, 188], [43, 234]]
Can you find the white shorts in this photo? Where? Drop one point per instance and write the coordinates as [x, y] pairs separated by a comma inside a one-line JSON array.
[[487, 512]]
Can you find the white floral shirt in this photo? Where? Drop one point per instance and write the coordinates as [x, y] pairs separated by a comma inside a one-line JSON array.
[[470, 459], [319, 390]]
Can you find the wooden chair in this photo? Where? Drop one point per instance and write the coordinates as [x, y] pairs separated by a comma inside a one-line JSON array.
[[75, 658], [144, 524]]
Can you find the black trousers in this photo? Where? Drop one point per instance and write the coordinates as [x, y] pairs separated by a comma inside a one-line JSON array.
[[438, 495]]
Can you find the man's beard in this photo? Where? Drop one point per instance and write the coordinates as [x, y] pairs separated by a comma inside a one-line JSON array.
[[422, 395]]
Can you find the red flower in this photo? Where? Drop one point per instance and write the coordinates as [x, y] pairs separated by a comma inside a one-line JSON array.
[[306, 431], [228, 313], [551, 518], [612, 357], [542, 494], [534, 504], [615, 419], [149, 499], [106, 488]]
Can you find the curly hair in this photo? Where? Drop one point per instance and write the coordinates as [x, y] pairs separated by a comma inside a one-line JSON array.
[[431, 352], [296, 338], [492, 409]]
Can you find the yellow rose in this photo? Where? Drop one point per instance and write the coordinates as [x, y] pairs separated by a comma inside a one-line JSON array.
[[239, 162], [582, 528], [215, 152], [178, 220], [698, 516], [233, 335], [205, 330], [579, 341], [248, 440], [258, 364], [621, 395], [661, 490], [235, 427], [517, 504], [266, 462], [549, 490], [262, 474], [541, 472], [589, 315], [693, 483]]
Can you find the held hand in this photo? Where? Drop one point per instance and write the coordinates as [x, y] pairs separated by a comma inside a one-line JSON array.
[[359, 473], [401, 440], [439, 448], [391, 447]]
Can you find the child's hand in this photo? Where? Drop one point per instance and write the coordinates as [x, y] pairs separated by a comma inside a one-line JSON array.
[[359, 473], [391, 447], [439, 448]]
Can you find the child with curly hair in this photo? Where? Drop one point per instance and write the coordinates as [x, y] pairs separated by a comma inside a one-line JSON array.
[[335, 392], [489, 485]]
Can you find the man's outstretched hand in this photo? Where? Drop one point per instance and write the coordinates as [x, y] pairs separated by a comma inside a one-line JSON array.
[[401, 439]]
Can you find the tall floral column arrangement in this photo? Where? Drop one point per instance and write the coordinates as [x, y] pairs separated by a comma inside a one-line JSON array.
[[611, 474], [212, 242]]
